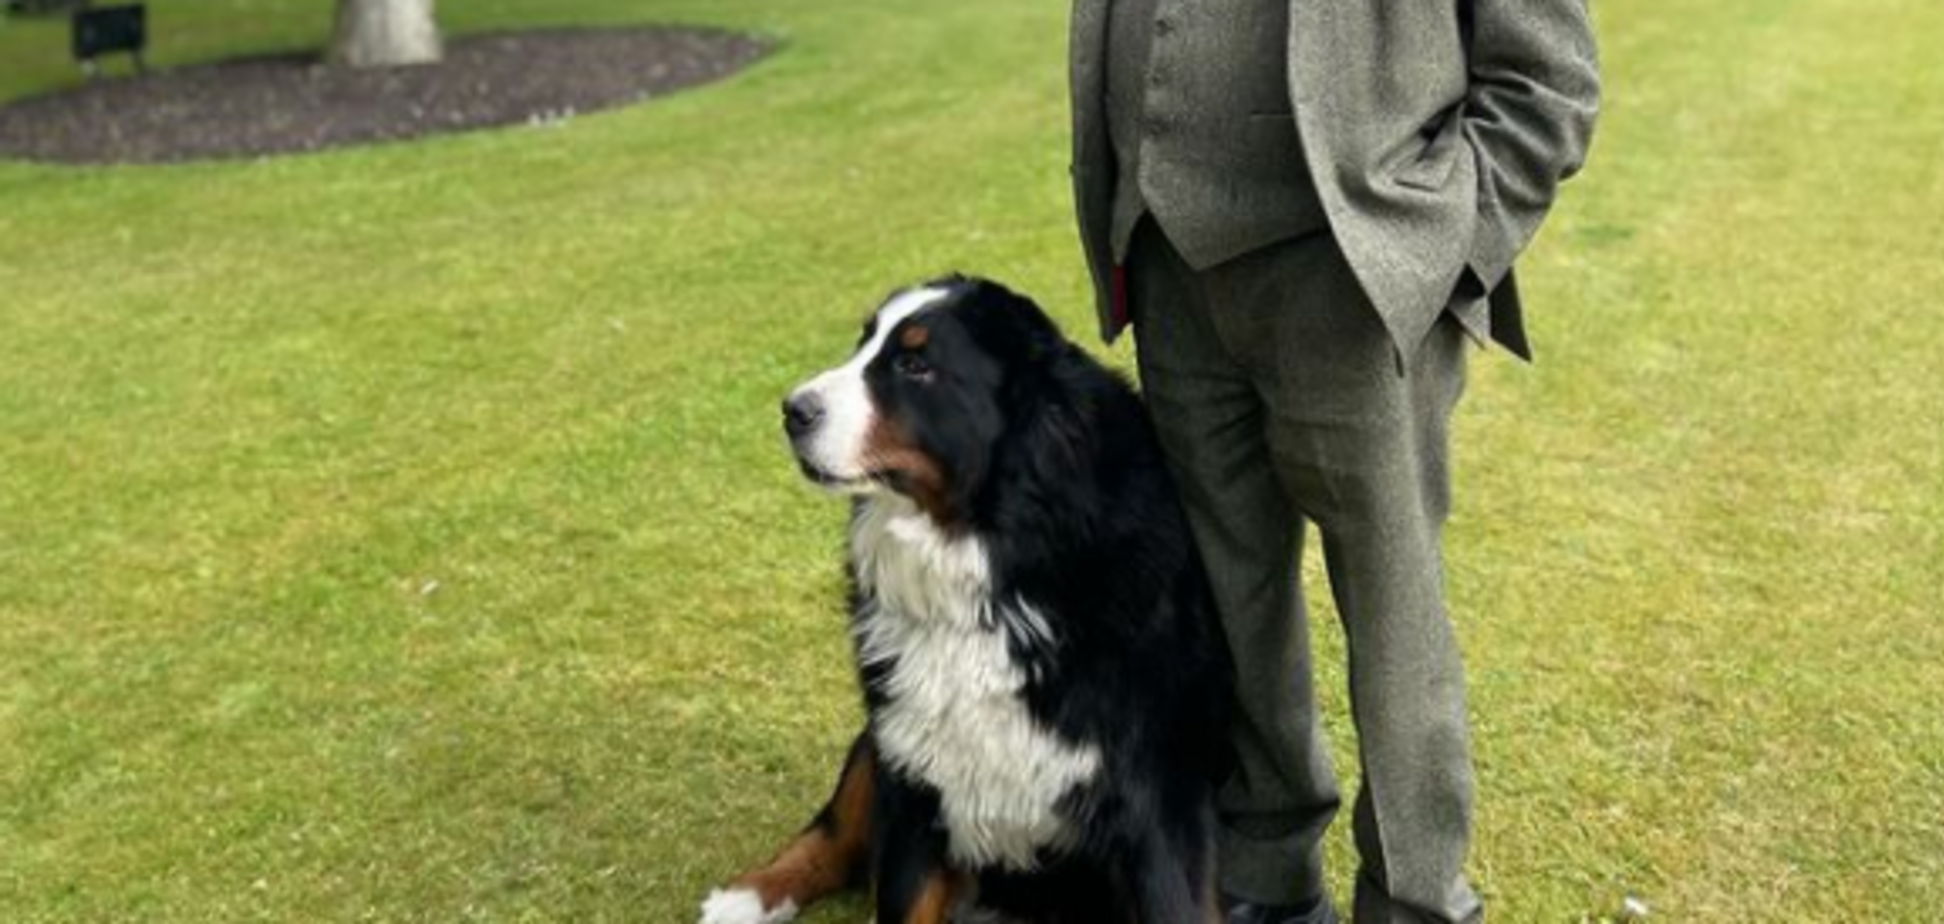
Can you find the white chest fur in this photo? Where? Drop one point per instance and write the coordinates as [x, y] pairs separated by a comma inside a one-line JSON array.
[[954, 716]]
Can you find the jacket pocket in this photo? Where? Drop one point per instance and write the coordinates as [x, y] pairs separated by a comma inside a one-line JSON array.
[[1444, 143]]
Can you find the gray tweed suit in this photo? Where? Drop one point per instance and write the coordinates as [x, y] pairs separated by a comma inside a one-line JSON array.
[[1302, 231]]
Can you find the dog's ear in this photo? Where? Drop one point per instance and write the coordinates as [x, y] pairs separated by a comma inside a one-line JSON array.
[[1051, 433], [1013, 325]]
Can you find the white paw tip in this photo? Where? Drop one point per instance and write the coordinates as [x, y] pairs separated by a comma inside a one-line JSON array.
[[743, 906]]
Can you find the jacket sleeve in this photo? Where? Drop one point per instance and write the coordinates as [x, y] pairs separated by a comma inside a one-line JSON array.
[[1529, 113]]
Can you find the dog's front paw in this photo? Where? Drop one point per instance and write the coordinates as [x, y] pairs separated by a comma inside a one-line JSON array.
[[743, 906]]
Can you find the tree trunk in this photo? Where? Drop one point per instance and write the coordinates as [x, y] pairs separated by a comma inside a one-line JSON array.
[[385, 33]]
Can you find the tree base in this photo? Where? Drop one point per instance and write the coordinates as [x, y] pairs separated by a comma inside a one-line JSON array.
[[385, 33]]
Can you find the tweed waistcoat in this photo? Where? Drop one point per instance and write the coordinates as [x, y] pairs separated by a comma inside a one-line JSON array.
[[1203, 133]]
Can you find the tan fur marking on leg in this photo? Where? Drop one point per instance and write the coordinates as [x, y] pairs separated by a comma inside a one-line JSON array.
[[938, 898], [1211, 890], [821, 862]]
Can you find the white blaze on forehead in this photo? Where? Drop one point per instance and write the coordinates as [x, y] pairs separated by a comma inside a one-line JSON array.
[[838, 446], [889, 315]]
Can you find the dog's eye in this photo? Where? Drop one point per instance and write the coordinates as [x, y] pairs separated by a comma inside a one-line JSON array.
[[911, 366]]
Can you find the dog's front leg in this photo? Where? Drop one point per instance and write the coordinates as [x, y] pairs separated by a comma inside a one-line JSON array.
[[913, 877], [830, 854], [1173, 884]]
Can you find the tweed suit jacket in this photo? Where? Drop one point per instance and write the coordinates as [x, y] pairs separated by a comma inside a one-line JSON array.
[[1436, 131]]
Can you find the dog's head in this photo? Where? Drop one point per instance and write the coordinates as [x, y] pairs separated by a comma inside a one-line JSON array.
[[922, 406]]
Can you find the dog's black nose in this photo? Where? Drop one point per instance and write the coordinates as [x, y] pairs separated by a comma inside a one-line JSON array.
[[801, 414]]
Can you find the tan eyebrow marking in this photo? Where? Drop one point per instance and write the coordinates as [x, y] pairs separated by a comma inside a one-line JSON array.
[[914, 336]]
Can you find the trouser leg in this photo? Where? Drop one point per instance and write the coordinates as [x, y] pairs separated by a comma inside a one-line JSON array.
[[1361, 447], [1210, 419], [1407, 692]]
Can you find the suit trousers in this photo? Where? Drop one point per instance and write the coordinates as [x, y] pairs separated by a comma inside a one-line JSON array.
[[1281, 401]]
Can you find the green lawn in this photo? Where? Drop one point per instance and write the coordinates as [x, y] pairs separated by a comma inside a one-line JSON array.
[[403, 533]]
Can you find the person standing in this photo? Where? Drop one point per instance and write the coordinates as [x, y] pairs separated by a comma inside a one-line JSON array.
[[1304, 209]]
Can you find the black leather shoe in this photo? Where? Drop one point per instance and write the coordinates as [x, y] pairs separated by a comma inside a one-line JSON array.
[[1320, 911]]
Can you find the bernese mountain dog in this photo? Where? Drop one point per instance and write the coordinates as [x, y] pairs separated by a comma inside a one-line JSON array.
[[1045, 684]]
